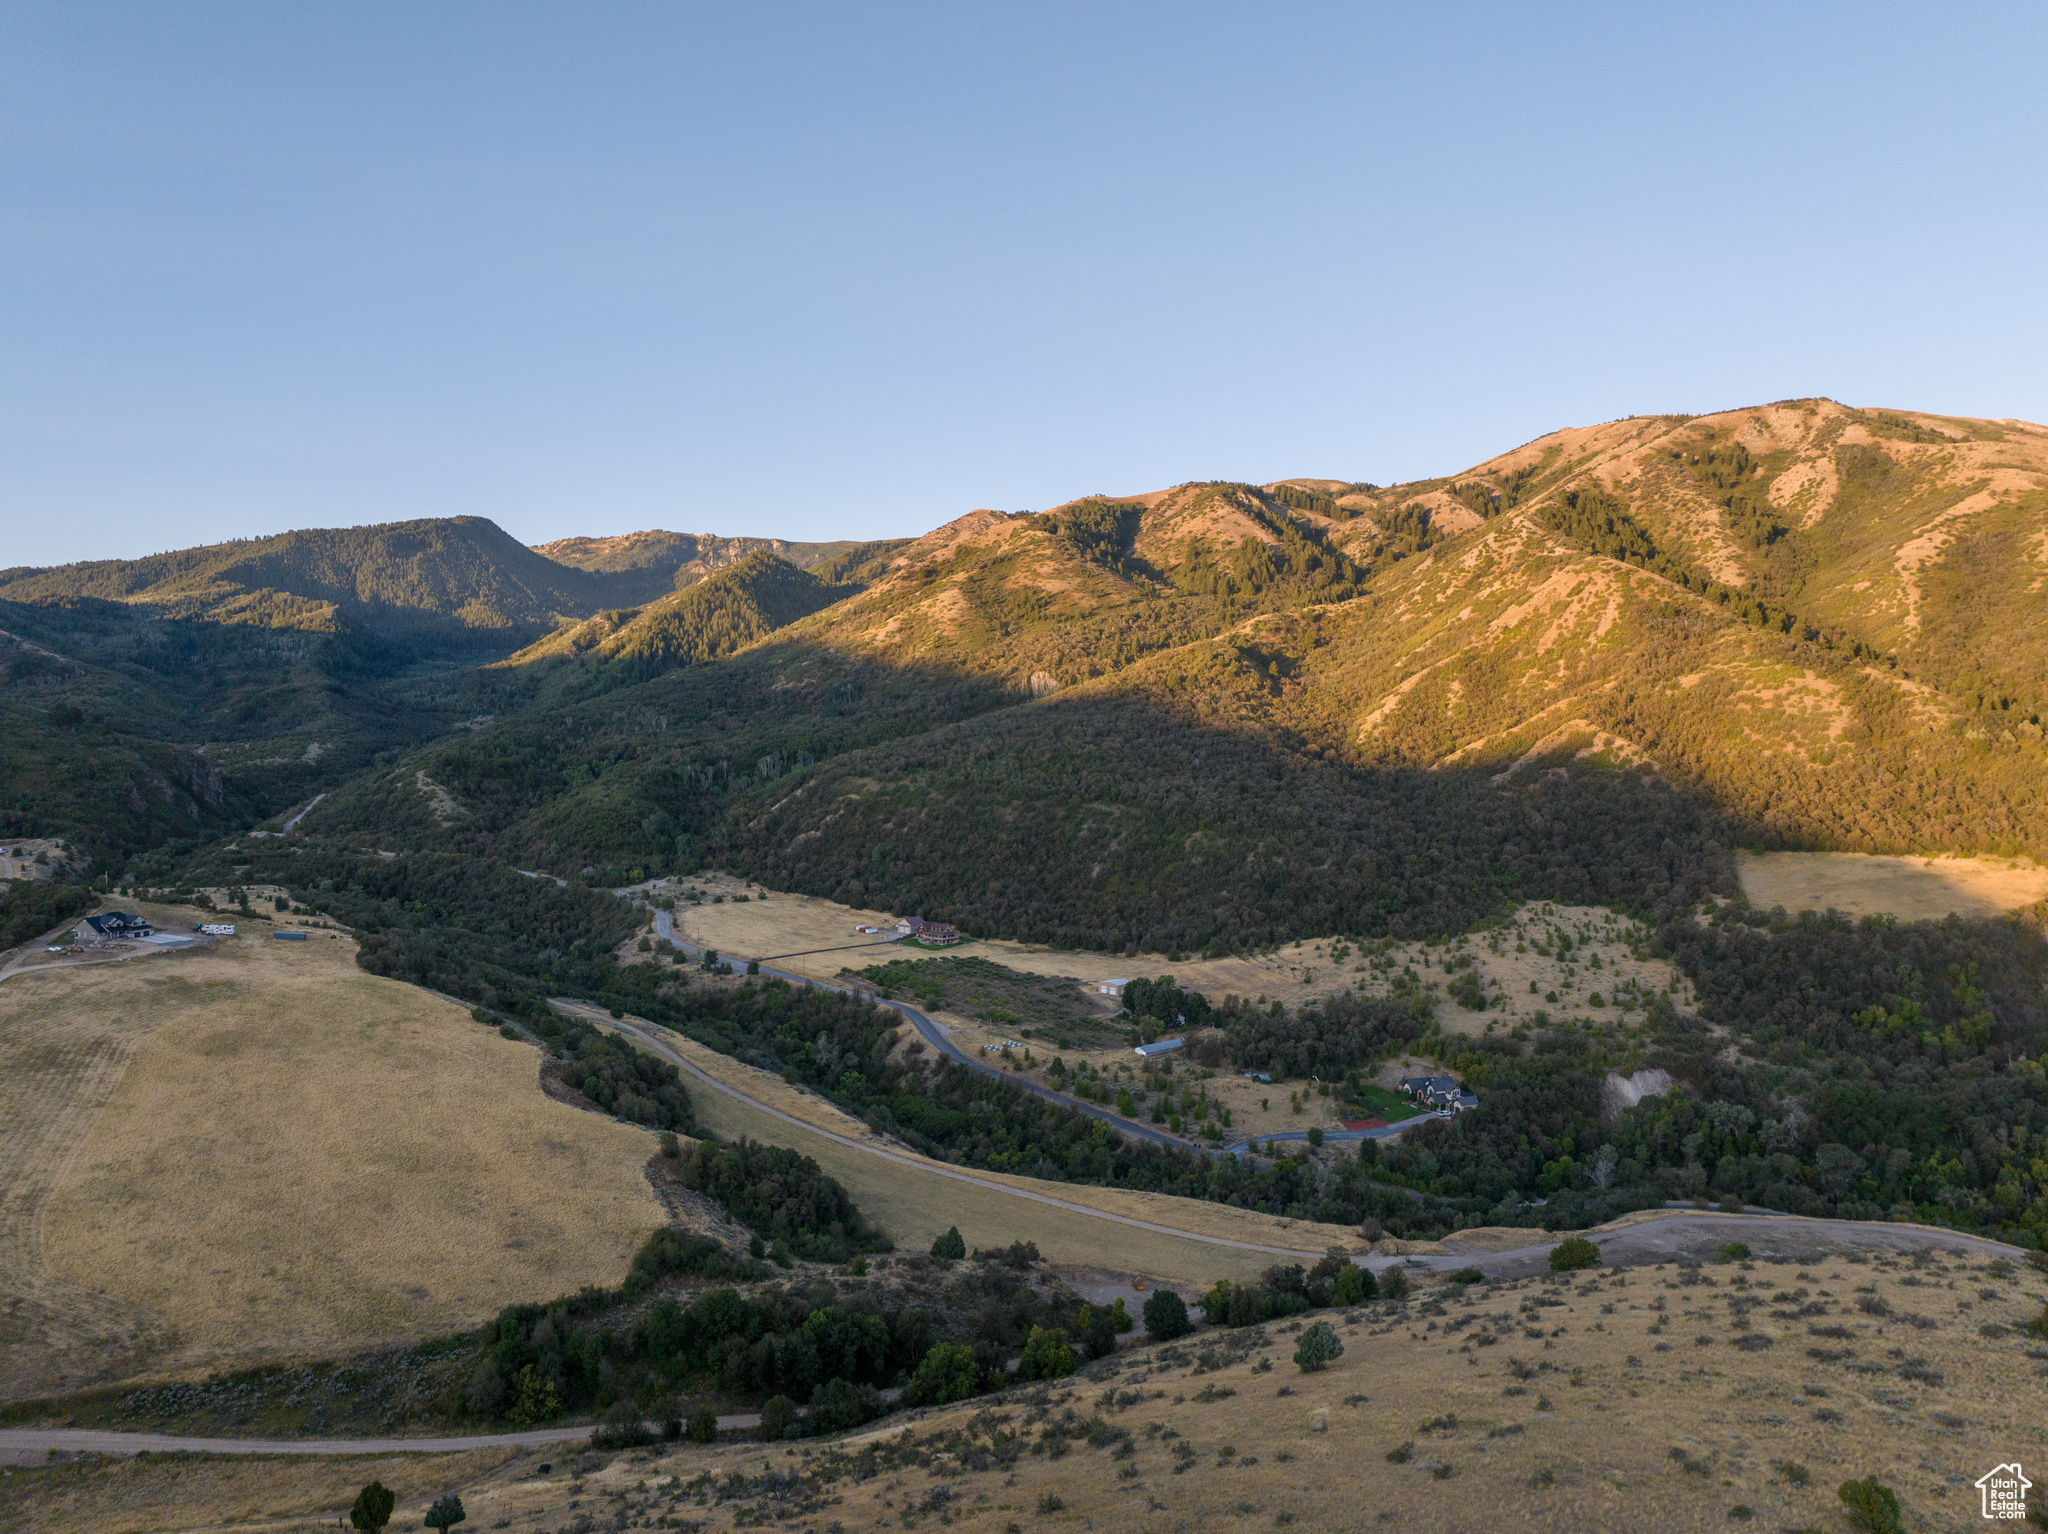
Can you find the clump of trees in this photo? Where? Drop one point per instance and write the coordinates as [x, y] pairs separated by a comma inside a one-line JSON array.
[[31, 907], [604, 1350], [783, 1197]]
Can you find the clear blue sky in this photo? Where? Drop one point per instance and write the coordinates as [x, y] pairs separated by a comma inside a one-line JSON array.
[[850, 271]]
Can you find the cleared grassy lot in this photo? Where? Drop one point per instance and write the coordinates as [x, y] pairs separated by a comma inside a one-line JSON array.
[[260, 1151], [1912, 889]]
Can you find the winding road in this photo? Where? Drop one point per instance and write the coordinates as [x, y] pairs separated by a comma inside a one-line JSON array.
[[939, 1039], [929, 1168], [1661, 1237]]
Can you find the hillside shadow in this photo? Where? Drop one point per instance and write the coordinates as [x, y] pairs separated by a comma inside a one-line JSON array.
[[1097, 821]]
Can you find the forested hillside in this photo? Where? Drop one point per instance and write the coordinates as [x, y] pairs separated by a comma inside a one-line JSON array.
[[1224, 716], [447, 575], [168, 700], [706, 620], [1213, 714], [123, 731]]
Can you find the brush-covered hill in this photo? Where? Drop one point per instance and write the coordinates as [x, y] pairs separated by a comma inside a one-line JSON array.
[[706, 620], [446, 574], [166, 700], [646, 566], [1215, 713]]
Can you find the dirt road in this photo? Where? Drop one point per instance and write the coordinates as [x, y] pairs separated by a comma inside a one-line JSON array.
[[904, 1158], [33, 1445]]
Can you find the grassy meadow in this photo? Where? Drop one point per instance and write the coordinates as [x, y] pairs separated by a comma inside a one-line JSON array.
[[1910, 888]]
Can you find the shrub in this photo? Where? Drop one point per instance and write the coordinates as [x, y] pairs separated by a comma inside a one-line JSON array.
[[372, 1508], [1573, 1253], [1166, 1315], [950, 1247], [1731, 1251], [1394, 1285], [1873, 1509], [1047, 1355], [778, 1416], [1048, 1504], [1468, 1276], [947, 1372], [703, 1426], [1315, 1136], [840, 1404], [1318, 1348], [1401, 1454], [1354, 1286]]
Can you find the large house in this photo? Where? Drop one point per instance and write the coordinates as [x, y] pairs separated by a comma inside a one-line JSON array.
[[1440, 1092], [937, 933], [115, 925]]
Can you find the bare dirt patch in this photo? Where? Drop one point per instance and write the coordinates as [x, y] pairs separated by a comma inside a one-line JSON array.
[[33, 857], [260, 1151], [1910, 888]]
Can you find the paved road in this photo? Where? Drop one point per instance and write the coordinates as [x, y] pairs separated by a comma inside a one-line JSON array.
[[937, 1037], [31, 1445], [905, 1158]]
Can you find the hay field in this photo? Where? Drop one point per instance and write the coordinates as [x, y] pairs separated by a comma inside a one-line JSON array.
[[1912, 889], [260, 1151], [915, 1206], [1597, 1405]]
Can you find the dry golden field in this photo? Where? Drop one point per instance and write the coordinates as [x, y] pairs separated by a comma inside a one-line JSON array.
[[915, 1205], [771, 924], [198, 1492], [1912, 889], [260, 1151], [1618, 1401], [815, 938]]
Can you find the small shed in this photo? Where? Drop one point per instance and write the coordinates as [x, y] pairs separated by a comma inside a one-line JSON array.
[[290, 937], [1112, 987]]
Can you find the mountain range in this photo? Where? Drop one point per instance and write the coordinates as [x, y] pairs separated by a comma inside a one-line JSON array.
[[1800, 624]]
